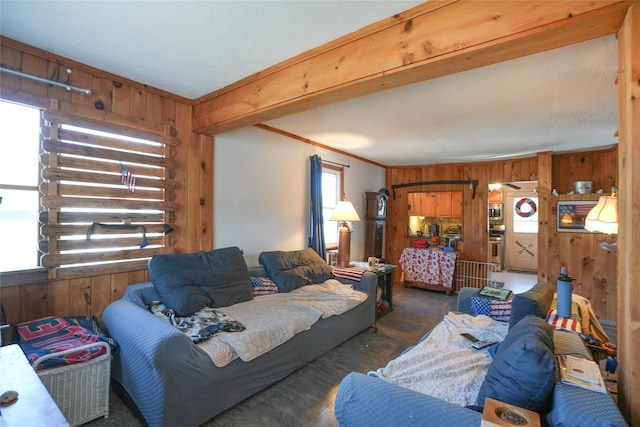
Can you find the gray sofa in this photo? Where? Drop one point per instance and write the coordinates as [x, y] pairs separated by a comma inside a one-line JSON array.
[[364, 400], [174, 382]]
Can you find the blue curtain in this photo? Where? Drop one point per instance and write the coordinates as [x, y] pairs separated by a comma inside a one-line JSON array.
[[316, 241]]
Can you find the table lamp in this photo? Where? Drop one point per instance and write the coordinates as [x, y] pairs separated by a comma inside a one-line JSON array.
[[603, 218], [344, 212]]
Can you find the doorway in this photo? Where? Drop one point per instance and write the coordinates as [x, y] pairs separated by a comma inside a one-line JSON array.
[[513, 234], [521, 228]]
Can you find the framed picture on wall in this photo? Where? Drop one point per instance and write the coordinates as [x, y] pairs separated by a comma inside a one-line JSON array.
[[571, 215]]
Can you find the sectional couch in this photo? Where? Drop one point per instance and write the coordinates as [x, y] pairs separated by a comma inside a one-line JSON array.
[[522, 372]]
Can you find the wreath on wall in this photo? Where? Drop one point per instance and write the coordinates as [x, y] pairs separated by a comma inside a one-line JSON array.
[[532, 207]]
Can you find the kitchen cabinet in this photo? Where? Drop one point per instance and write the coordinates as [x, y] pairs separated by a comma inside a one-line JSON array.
[[413, 204], [422, 204], [430, 204], [456, 204], [495, 196], [442, 204]]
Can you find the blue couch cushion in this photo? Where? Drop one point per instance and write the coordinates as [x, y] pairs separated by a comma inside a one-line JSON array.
[[523, 370], [535, 301], [574, 406], [188, 282], [293, 269]]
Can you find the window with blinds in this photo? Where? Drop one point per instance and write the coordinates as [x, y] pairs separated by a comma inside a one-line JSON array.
[[107, 195]]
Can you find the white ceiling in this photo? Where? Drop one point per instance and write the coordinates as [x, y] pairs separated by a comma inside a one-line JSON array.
[[561, 100]]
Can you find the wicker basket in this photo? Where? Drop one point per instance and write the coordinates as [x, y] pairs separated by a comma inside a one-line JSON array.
[[80, 390]]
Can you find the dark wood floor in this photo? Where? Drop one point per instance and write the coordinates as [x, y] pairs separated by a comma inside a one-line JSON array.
[[306, 397]]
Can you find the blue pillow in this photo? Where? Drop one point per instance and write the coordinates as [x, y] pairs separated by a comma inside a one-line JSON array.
[[536, 301], [523, 371], [188, 282], [293, 269]]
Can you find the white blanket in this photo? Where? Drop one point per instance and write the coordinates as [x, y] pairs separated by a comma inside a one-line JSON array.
[[271, 320], [445, 365]]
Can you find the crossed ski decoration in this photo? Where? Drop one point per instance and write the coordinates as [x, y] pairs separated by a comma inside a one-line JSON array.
[[524, 248]]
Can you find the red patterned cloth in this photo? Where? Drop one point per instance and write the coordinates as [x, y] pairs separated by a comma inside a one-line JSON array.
[[431, 266], [566, 323]]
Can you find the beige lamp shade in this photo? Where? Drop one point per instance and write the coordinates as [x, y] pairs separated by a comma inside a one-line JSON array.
[[344, 212], [603, 217]]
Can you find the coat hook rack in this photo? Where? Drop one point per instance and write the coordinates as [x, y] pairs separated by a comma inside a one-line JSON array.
[[66, 85]]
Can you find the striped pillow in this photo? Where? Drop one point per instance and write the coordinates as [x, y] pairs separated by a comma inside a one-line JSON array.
[[566, 323]]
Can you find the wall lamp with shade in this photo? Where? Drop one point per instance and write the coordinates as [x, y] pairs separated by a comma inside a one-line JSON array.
[[344, 212], [603, 218]]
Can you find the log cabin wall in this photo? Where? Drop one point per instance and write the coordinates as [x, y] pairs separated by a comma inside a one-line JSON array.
[[30, 295], [593, 268]]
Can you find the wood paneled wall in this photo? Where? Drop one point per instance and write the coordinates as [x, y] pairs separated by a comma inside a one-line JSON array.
[[116, 100], [593, 268], [474, 209]]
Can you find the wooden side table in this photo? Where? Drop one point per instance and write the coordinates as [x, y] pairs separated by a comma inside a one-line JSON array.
[[34, 406], [385, 281]]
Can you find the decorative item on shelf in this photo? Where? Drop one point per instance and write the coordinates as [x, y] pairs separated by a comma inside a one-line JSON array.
[[583, 187], [344, 212], [603, 218]]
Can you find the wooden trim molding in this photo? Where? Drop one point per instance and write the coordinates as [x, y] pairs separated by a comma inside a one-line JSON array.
[[314, 143], [629, 193]]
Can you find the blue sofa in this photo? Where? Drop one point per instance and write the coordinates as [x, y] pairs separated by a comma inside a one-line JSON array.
[[174, 383], [364, 400]]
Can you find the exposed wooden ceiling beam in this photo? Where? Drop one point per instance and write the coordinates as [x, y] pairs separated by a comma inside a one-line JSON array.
[[429, 41]]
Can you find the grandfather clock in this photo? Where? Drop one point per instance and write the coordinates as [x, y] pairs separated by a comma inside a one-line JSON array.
[[375, 216]]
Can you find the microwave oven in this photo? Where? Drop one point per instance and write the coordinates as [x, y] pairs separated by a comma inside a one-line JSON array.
[[495, 212]]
